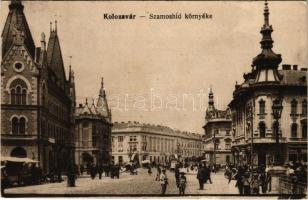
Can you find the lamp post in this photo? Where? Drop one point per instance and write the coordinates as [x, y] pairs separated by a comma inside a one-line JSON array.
[[277, 109]]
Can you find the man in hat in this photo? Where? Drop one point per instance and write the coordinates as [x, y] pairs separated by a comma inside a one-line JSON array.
[[163, 181]]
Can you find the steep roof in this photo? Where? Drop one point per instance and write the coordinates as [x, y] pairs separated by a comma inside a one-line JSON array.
[[16, 21], [54, 56]]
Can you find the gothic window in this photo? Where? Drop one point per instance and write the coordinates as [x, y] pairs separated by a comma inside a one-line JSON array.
[[304, 130], [293, 106], [261, 106], [294, 130], [304, 107], [18, 89], [18, 126], [262, 129], [22, 126], [15, 126]]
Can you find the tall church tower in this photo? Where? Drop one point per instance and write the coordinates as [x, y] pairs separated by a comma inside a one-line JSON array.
[[37, 101]]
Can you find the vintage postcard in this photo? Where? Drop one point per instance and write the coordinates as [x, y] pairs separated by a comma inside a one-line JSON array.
[[202, 99]]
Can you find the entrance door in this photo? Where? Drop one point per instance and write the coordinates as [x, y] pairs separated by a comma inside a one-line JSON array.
[[262, 158]]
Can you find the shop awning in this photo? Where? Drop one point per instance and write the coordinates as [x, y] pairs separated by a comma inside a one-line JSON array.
[[16, 159]]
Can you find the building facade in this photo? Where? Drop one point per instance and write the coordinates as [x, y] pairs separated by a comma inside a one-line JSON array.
[[93, 131], [253, 122], [217, 138], [133, 141], [37, 100]]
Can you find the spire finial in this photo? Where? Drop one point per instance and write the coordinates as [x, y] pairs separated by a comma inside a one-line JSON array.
[[266, 14], [50, 27], [55, 25], [70, 60], [102, 82], [86, 101]]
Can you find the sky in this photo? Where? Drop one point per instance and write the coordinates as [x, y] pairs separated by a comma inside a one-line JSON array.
[[160, 71]]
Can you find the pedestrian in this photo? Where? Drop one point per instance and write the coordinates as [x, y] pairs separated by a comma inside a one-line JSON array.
[[177, 175], [208, 174], [158, 173], [262, 178], [246, 183], [163, 181], [70, 176], [81, 169], [100, 171], [182, 183], [149, 169], [239, 183], [255, 184], [201, 176], [5, 181]]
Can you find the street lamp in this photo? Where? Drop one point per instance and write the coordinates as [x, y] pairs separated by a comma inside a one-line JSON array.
[[277, 109]]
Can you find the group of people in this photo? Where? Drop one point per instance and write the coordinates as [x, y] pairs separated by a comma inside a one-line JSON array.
[[250, 181]]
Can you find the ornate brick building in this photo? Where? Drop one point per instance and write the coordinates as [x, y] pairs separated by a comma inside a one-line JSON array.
[[217, 138], [93, 131], [37, 101], [137, 141], [253, 123]]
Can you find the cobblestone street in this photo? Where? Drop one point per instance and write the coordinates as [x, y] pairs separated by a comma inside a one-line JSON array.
[[129, 184]]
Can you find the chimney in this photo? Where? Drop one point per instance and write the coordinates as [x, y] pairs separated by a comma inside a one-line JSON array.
[[295, 67], [304, 69], [286, 67]]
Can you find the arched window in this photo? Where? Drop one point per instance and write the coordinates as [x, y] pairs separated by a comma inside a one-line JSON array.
[[261, 106], [13, 99], [304, 107], [304, 130], [18, 89], [18, 126], [22, 126], [15, 126], [293, 106], [262, 129], [294, 130]]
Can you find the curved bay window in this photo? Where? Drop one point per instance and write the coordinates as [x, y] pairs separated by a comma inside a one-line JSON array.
[[262, 129], [18, 89], [18, 126], [294, 130]]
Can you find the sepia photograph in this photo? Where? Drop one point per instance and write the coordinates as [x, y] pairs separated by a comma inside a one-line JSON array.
[[154, 99]]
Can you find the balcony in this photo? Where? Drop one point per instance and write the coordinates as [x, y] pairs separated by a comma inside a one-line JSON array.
[[18, 137]]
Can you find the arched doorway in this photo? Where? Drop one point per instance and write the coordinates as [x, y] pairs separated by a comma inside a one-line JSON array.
[[19, 152]]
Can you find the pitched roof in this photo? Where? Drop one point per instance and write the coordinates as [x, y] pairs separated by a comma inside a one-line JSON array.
[[54, 56], [16, 20], [293, 77]]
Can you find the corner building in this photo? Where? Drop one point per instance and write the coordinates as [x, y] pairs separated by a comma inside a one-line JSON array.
[[217, 138], [134, 141], [251, 107], [37, 100], [93, 131]]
